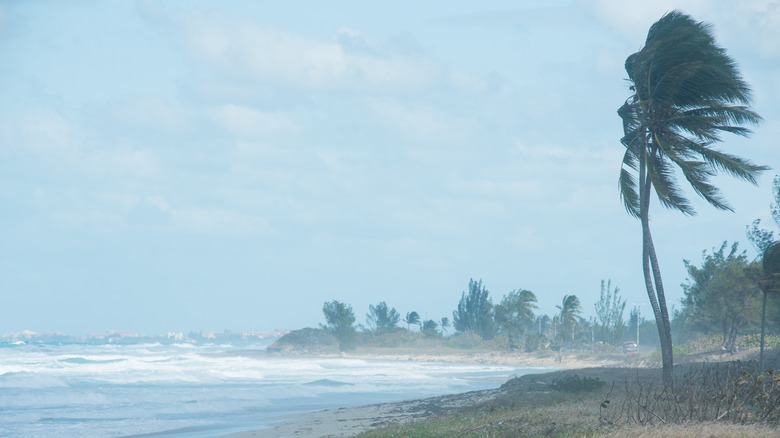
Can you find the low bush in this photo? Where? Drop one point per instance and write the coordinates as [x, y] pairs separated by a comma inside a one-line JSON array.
[[575, 383], [731, 392]]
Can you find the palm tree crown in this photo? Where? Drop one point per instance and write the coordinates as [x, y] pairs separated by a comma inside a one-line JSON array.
[[687, 91], [571, 311]]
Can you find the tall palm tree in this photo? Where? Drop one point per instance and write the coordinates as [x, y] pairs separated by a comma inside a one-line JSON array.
[[686, 92], [570, 315]]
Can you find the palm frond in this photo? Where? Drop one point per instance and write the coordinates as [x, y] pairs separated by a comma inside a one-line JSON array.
[[731, 164], [629, 114], [664, 181], [707, 123], [697, 174], [627, 184]]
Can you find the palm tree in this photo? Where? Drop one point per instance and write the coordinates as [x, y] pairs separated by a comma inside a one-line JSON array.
[[570, 315], [515, 313], [686, 92], [412, 318], [444, 324], [429, 327]]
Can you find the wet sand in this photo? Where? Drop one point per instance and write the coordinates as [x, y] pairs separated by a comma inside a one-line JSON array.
[[342, 422]]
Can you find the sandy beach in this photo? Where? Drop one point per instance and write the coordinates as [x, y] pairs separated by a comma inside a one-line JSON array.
[[345, 422], [350, 421]]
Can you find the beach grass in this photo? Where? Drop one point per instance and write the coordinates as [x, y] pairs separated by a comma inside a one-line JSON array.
[[612, 402]]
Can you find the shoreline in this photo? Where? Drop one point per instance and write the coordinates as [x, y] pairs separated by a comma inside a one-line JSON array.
[[566, 359], [349, 421]]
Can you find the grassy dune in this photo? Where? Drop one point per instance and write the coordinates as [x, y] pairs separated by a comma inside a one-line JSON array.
[[730, 399], [601, 393]]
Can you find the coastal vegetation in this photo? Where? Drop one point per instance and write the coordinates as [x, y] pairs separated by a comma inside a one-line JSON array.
[[722, 300], [731, 399]]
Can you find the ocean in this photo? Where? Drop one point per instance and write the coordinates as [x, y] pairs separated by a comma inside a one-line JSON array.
[[185, 390]]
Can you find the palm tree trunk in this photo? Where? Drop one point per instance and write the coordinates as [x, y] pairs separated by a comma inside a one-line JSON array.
[[763, 326], [653, 282], [666, 340]]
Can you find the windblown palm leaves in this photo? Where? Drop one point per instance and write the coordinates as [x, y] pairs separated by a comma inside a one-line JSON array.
[[571, 312], [687, 91], [412, 318], [515, 313]]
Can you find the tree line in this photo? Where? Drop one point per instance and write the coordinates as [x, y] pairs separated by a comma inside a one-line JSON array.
[[725, 293], [513, 319], [721, 296]]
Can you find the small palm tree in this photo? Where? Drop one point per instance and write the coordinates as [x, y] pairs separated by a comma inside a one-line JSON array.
[[444, 324], [412, 318], [430, 327], [570, 315], [686, 92]]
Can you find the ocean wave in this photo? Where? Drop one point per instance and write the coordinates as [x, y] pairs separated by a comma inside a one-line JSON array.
[[26, 379], [328, 382], [85, 361]]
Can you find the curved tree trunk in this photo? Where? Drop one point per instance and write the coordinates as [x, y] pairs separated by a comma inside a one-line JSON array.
[[652, 273], [663, 324]]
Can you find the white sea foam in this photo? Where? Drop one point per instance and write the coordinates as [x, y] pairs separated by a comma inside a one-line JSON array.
[[113, 390]]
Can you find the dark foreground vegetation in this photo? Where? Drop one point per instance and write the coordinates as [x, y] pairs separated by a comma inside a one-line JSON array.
[[735, 398]]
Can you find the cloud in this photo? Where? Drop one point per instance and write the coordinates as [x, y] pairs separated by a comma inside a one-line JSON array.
[[346, 62], [152, 112], [216, 220], [246, 122], [420, 121], [123, 159], [758, 19], [3, 19], [149, 211], [119, 211], [513, 189], [54, 142], [761, 20], [633, 19]]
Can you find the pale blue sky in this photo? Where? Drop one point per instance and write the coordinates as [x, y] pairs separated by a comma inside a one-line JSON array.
[[185, 165]]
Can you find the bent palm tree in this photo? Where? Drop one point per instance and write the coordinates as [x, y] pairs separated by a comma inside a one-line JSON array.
[[515, 313], [687, 92], [444, 324], [412, 318], [571, 311]]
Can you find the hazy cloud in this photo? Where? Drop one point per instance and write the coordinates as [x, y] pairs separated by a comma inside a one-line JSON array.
[[246, 122], [154, 113], [346, 62]]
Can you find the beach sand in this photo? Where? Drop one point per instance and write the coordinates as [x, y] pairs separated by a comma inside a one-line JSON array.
[[343, 422]]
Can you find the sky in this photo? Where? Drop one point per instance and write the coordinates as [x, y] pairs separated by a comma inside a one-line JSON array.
[[196, 165]]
